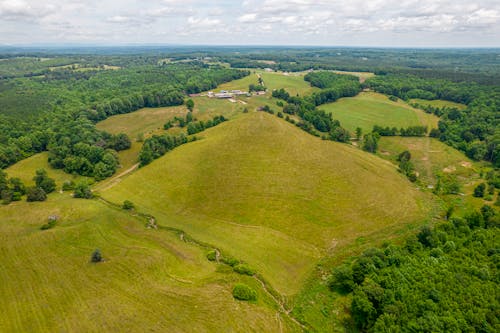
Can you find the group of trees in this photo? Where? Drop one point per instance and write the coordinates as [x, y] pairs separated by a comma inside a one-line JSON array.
[[13, 189], [409, 131], [58, 115], [200, 126], [442, 280], [157, 145]]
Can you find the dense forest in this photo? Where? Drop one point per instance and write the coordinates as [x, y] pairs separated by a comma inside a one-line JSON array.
[[444, 279], [56, 110]]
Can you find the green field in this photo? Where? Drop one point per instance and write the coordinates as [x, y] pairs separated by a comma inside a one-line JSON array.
[[150, 279], [430, 156], [368, 109], [439, 103], [293, 83], [273, 195], [25, 170]]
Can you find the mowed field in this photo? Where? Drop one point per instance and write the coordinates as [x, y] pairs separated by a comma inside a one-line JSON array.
[[369, 108], [150, 280], [293, 82], [274, 196], [429, 155], [439, 103]]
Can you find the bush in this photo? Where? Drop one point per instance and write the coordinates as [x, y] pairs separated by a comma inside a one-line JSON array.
[[82, 190], [43, 181], [243, 292], [50, 224], [68, 185], [35, 194], [244, 269], [230, 261], [212, 255], [128, 205], [96, 256], [479, 190]]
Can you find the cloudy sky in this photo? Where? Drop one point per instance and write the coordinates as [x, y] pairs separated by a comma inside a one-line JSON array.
[[441, 23]]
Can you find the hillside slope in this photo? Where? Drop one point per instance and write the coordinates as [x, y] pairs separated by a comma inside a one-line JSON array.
[[273, 195]]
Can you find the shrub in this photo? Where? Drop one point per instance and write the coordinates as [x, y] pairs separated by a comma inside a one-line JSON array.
[[243, 292], [212, 255], [244, 269], [230, 261], [68, 185], [128, 205], [35, 194], [43, 181], [50, 224], [96, 256], [479, 190], [82, 190]]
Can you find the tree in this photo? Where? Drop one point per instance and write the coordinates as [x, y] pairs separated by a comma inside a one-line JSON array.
[[96, 256], [128, 205], [82, 190], [370, 142], [35, 194], [190, 104], [479, 190], [359, 132], [43, 181], [243, 292]]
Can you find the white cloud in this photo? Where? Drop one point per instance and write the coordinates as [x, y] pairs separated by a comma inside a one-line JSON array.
[[355, 22]]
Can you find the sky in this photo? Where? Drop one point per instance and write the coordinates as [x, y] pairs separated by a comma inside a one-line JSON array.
[[386, 23]]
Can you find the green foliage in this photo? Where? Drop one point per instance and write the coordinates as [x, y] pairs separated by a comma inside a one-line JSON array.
[[244, 269], [448, 283], [82, 190], [35, 194], [230, 261], [96, 256], [190, 104], [52, 221], [128, 205], [479, 190], [68, 185], [243, 292], [370, 142], [199, 126], [406, 166], [211, 255], [256, 87], [446, 184], [158, 145], [43, 181]]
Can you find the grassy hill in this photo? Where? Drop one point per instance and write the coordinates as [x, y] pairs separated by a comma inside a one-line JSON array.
[[274, 196], [368, 109], [150, 279]]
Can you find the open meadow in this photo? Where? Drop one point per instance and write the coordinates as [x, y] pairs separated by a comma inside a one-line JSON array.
[[369, 109], [273, 195]]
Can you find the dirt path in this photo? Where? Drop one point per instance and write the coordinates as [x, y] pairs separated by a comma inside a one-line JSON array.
[[116, 179]]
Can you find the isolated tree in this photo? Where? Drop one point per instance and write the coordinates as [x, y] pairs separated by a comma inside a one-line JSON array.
[[359, 132], [370, 142], [17, 185], [35, 194], [43, 181], [96, 256], [479, 190], [190, 105], [82, 190], [128, 205]]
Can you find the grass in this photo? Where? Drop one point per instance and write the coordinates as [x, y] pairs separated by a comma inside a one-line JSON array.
[[293, 83], [25, 170], [439, 103], [368, 109], [361, 75], [149, 280], [273, 195]]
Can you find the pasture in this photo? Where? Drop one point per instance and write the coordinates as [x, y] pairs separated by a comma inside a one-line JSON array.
[[273, 195], [439, 103], [368, 109], [149, 280]]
